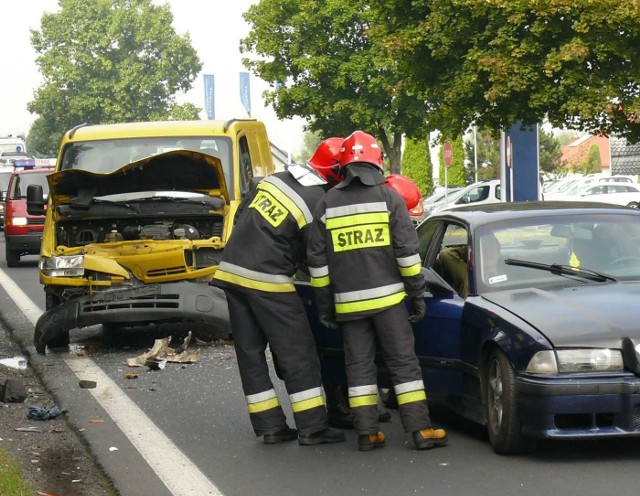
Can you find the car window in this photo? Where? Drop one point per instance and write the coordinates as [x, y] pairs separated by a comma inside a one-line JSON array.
[[605, 243], [452, 259], [426, 232]]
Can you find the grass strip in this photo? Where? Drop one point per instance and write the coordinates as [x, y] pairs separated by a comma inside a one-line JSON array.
[[11, 482]]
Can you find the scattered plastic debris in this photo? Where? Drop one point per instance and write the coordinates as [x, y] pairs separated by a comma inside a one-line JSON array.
[[17, 362], [113, 448], [131, 375], [156, 364], [162, 352], [27, 429], [96, 421], [37, 412]]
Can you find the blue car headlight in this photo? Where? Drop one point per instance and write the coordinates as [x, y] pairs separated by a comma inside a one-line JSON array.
[[576, 360], [62, 266]]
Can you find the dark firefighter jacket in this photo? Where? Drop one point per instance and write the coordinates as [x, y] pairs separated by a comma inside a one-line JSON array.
[[363, 250], [270, 236]]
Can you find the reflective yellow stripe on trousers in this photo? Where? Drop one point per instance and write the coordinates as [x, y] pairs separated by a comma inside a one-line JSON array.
[[261, 402]]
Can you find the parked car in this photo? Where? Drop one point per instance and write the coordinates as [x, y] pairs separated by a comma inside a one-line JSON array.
[[480, 193], [617, 193], [22, 231], [545, 343]]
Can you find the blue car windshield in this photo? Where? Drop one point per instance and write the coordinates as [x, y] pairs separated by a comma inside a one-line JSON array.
[[609, 244]]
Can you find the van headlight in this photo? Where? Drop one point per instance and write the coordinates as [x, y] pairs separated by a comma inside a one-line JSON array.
[[578, 360], [62, 266]]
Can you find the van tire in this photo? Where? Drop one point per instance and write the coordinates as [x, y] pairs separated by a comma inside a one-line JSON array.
[[12, 257]]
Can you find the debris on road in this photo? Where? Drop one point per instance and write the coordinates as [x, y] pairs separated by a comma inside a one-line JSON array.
[[131, 375], [16, 362], [13, 391], [38, 412], [27, 429], [85, 384], [162, 352]]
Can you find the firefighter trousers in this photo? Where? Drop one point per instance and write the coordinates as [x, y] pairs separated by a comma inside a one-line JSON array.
[[279, 320], [394, 334]]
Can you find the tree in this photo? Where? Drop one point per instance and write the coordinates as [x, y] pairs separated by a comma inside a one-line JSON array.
[[43, 140], [550, 158], [488, 153], [322, 65], [594, 163], [497, 62], [416, 164], [110, 61]]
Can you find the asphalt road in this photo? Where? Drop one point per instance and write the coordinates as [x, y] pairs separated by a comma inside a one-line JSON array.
[[184, 430]]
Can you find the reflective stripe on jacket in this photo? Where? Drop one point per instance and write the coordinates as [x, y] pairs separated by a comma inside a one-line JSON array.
[[363, 251], [269, 241]]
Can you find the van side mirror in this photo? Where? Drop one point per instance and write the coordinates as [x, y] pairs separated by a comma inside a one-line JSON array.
[[35, 202]]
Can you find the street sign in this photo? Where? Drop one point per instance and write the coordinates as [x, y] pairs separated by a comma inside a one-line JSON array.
[[447, 153]]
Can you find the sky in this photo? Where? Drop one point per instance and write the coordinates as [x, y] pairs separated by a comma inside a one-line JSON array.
[[215, 27]]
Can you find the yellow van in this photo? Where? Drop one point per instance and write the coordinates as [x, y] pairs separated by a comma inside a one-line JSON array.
[[138, 216]]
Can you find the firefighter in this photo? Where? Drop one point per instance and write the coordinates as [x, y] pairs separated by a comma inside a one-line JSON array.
[[334, 382], [363, 259], [256, 273]]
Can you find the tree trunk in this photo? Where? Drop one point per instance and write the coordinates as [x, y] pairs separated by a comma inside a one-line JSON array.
[[392, 150]]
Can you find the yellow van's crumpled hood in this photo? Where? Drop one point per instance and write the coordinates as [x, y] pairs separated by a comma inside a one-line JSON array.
[[177, 170]]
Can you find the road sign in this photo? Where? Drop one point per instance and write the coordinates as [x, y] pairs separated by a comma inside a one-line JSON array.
[[447, 153]]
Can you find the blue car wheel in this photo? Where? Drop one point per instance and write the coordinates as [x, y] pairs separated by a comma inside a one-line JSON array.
[[504, 428]]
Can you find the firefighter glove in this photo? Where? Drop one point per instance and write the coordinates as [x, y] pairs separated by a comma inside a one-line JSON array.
[[419, 309], [328, 320]]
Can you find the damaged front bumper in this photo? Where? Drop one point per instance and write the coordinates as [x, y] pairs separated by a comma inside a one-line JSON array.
[[167, 302]]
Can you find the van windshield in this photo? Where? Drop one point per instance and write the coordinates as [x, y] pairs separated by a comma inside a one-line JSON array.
[[106, 156], [22, 181]]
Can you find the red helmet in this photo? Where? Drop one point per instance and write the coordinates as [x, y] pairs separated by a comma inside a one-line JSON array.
[[325, 160], [406, 188], [360, 147]]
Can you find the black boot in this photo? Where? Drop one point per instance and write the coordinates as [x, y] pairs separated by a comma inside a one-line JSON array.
[[325, 436], [286, 434]]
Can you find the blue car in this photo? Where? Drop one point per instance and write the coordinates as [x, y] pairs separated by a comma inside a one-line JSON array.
[[533, 322]]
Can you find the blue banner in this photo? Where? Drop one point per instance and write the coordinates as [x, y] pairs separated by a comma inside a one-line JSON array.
[[245, 92], [209, 96]]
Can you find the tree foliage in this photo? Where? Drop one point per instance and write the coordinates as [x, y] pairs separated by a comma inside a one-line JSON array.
[[322, 64], [42, 141], [594, 163], [110, 61], [488, 155], [550, 158], [496, 62], [416, 164]]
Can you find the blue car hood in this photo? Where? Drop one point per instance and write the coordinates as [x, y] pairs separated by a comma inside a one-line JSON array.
[[599, 315]]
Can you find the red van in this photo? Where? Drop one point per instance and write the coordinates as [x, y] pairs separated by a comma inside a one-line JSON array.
[[23, 232]]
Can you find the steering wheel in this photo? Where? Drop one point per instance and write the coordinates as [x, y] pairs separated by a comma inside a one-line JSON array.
[[624, 261]]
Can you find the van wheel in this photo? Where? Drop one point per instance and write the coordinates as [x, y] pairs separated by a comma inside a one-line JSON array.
[[12, 257]]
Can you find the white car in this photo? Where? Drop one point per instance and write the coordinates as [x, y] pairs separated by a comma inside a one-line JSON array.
[[475, 194], [625, 194]]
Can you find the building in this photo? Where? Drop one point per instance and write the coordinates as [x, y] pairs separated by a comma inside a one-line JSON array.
[[576, 153]]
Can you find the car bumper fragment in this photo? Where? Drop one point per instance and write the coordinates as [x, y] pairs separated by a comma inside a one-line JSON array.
[[170, 302]]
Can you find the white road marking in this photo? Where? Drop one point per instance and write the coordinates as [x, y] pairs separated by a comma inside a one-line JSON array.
[[156, 448]]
